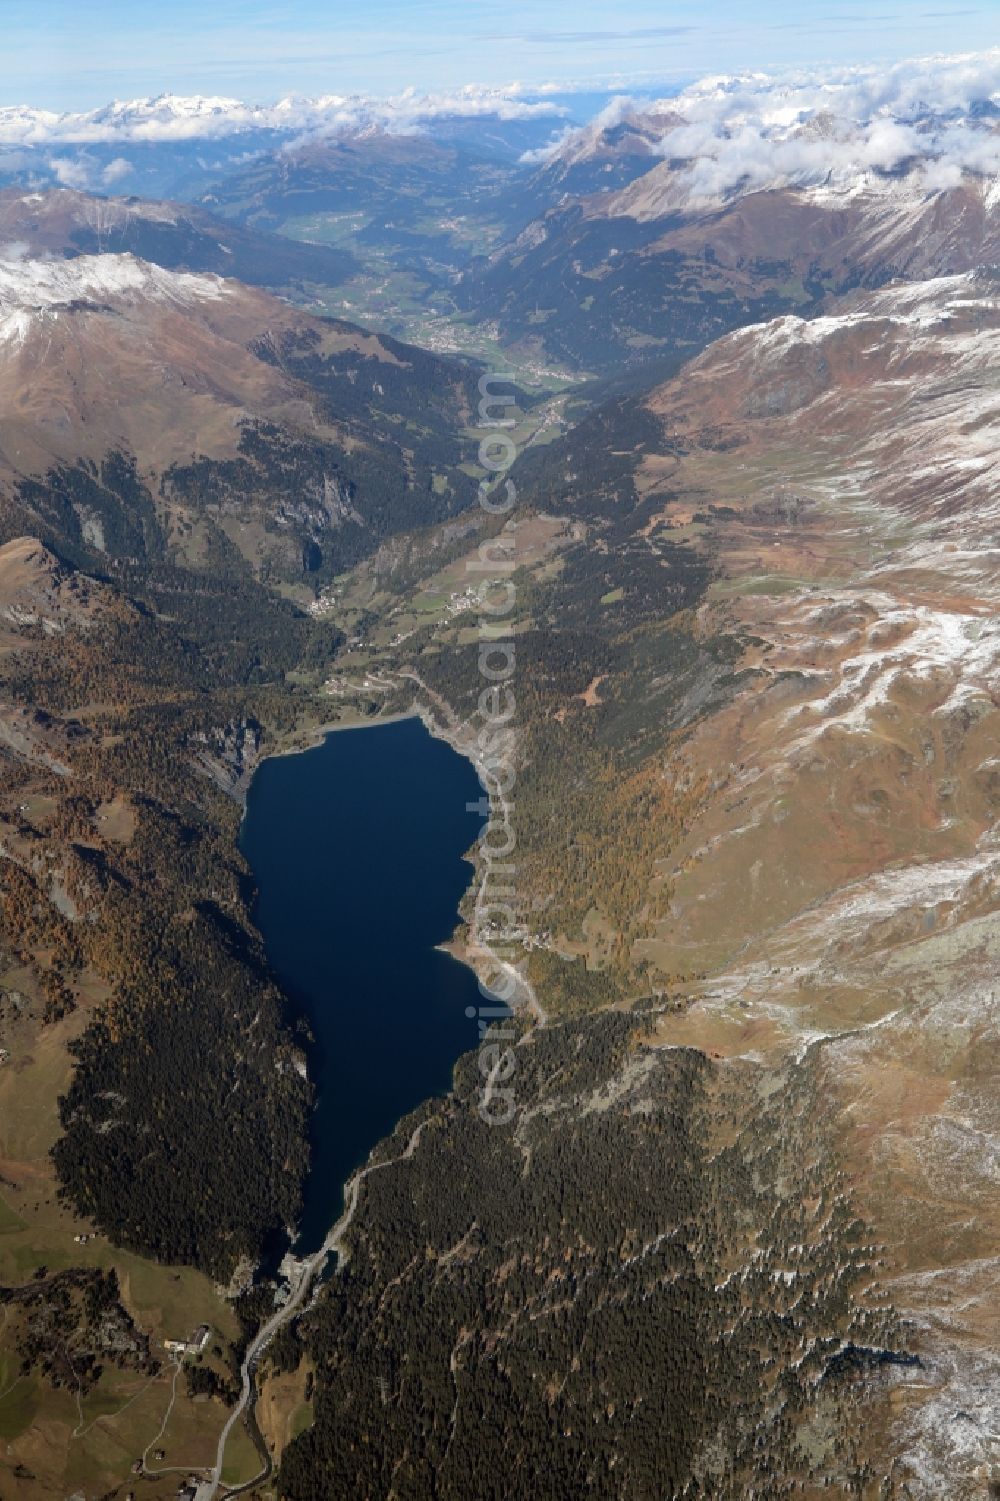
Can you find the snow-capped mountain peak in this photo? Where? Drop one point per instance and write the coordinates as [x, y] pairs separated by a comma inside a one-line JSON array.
[[31, 290], [177, 117]]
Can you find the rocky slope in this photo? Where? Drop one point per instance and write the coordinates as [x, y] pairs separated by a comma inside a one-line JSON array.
[[651, 273], [227, 415], [179, 237], [178, 454], [839, 889], [36, 590], [614, 149], [757, 194], [760, 752]]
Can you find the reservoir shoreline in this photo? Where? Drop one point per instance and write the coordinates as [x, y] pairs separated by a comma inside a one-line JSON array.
[[432, 974], [333, 843]]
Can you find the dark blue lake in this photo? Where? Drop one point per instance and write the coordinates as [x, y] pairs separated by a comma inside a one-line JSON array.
[[357, 849]]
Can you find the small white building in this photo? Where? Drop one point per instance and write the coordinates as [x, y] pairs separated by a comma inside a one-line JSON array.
[[196, 1345]]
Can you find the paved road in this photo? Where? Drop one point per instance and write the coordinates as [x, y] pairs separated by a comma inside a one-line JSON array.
[[522, 990], [310, 1269], [301, 1287]]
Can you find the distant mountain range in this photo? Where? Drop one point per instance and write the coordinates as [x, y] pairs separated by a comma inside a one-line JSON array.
[[199, 117], [179, 237], [174, 146], [635, 276], [667, 224]]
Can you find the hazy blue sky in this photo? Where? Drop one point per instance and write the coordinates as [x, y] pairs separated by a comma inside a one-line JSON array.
[[77, 53]]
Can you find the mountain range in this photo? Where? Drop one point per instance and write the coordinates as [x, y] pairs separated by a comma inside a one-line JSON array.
[[739, 1238], [218, 396]]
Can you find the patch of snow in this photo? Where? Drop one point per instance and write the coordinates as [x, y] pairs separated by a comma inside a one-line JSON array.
[[31, 290]]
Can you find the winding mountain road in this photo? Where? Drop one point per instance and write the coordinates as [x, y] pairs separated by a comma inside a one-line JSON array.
[[308, 1270], [305, 1277]]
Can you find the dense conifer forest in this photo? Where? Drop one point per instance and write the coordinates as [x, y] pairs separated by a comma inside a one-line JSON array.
[[585, 1295]]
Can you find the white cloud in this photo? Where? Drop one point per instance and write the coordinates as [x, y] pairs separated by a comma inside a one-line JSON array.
[[115, 171], [903, 90], [835, 126], [170, 117], [570, 140], [739, 133], [832, 126], [70, 173], [547, 153]]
